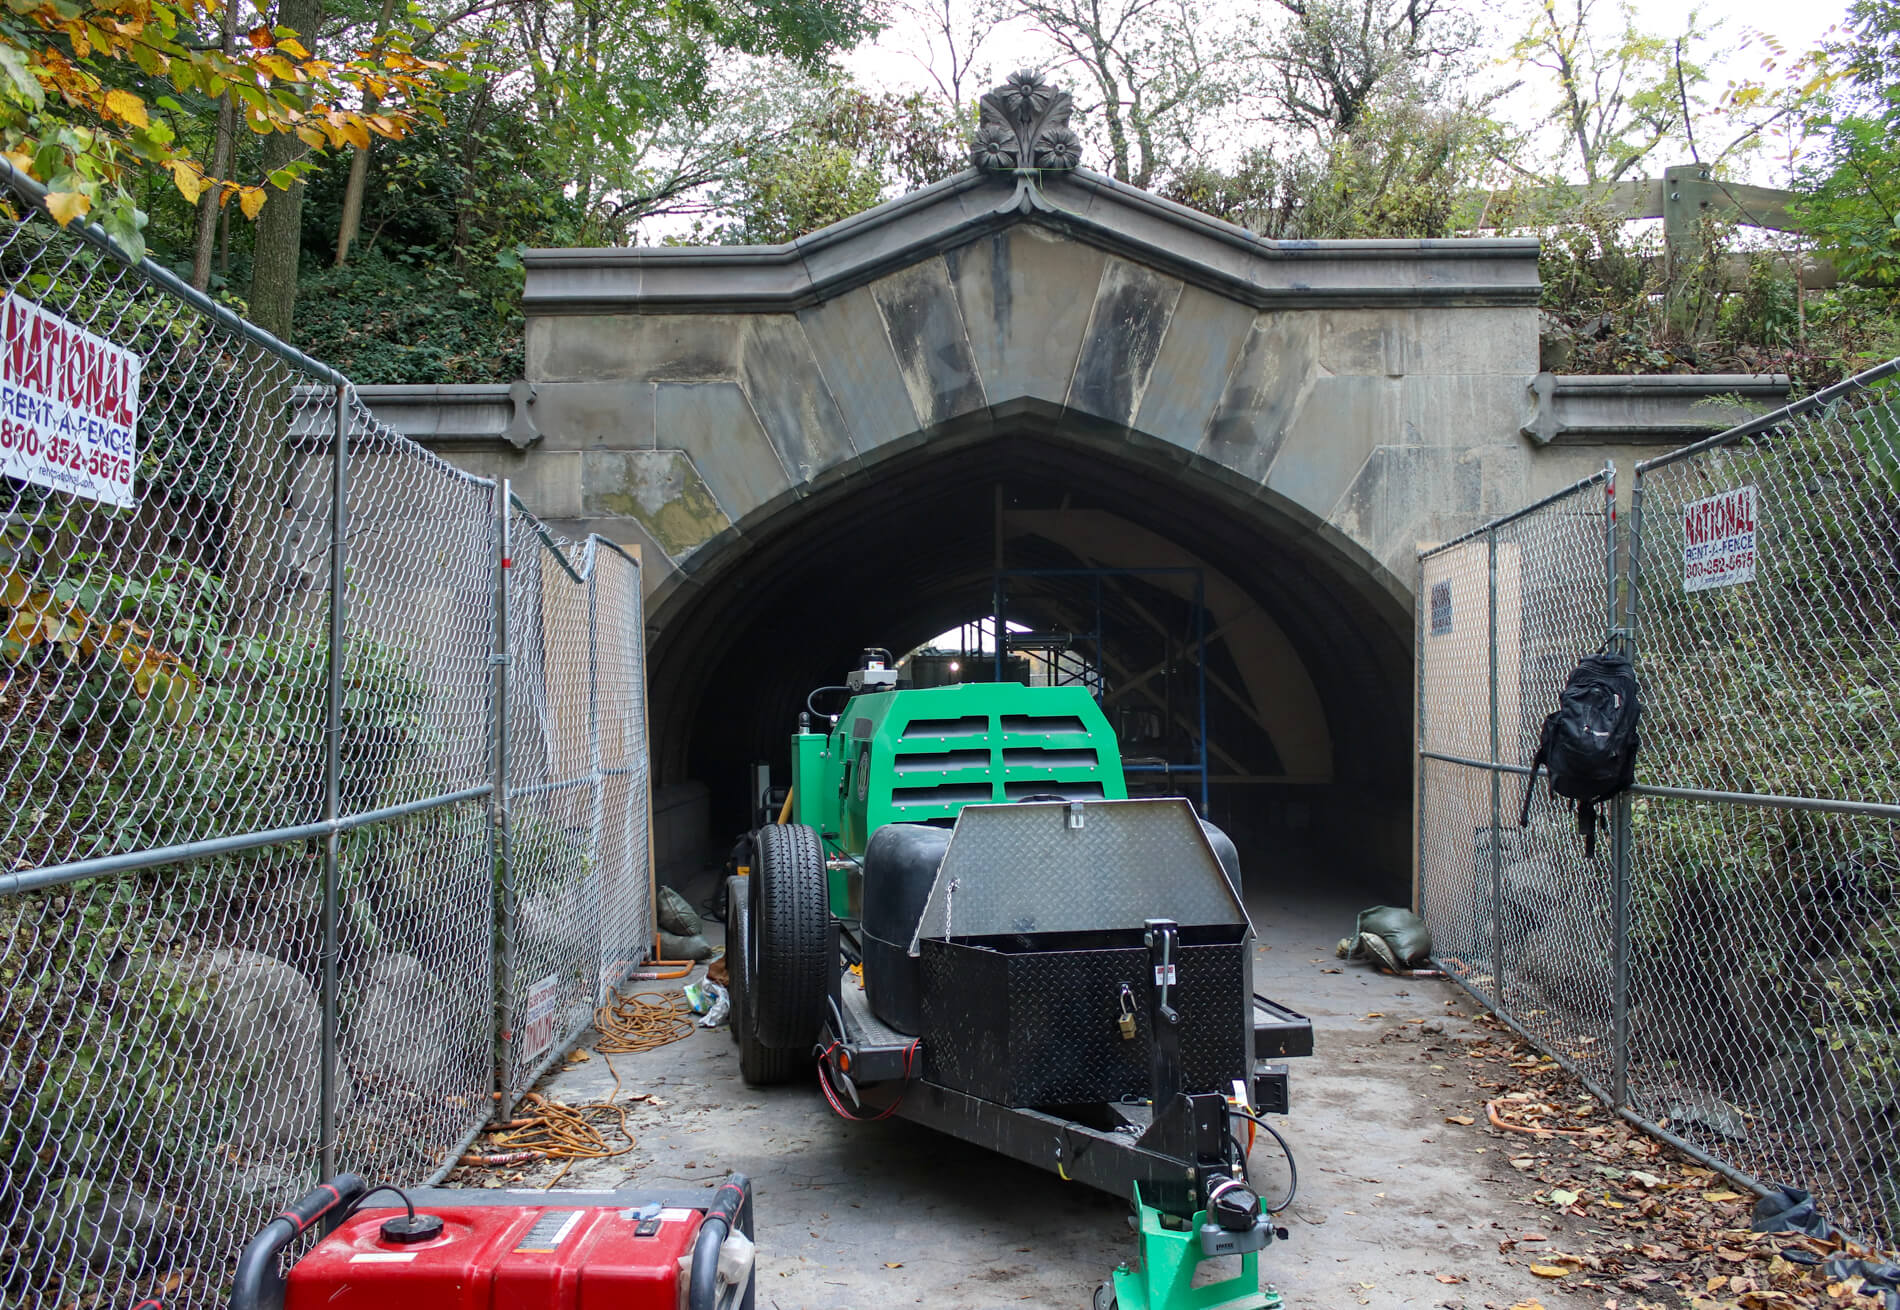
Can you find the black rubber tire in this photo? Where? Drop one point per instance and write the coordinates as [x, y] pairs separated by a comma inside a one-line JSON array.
[[759, 1065], [787, 973]]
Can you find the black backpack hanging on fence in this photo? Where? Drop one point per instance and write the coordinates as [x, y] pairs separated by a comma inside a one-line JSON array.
[[1589, 743]]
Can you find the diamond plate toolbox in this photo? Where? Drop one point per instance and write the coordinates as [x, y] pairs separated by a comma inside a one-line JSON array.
[[1032, 1020]]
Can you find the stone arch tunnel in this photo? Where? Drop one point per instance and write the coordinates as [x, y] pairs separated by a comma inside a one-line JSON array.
[[1311, 678], [806, 442]]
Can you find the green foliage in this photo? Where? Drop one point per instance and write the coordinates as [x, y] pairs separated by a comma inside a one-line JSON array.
[[842, 158], [1407, 170], [409, 317], [1853, 186]]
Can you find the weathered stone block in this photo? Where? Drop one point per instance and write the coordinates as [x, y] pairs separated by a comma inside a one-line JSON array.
[[582, 415], [1437, 340], [1402, 491], [644, 347], [1340, 422], [1460, 409], [853, 352], [713, 422], [1262, 395], [788, 393], [1132, 308], [659, 489], [1026, 296], [927, 335], [1204, 339]]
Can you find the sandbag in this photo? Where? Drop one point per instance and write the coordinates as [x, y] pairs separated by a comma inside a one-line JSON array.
[[677, 915], [673, 946], [1394, 937]]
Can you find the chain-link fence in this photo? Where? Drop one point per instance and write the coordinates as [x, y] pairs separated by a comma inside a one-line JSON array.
[[1726, 971], [264, 912], [1517, 914]]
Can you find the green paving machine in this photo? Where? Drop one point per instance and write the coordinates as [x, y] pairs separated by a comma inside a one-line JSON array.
[[962, 919]]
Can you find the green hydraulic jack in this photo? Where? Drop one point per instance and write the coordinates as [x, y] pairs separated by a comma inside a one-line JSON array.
[[1235, 1223]]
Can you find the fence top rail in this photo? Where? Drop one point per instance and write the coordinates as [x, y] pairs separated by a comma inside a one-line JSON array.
[[92, 234], [1775, 418], [1599, 478], [590, 548]]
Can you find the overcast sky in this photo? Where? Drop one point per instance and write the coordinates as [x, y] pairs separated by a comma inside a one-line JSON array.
[[894, 60]]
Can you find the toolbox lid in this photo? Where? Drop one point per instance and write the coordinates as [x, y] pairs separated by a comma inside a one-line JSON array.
[[1077, 866]]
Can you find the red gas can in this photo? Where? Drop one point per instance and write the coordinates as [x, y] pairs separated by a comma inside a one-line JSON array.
[[483, 1249]]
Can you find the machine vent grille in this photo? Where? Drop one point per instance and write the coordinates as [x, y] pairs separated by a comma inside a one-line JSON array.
[[1046, 725], [936, 761], [1049, 757], [950, 793], [1070, 791], [970, 725]]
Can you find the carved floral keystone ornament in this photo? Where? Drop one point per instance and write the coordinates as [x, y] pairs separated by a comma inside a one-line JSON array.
[[1025, 124]]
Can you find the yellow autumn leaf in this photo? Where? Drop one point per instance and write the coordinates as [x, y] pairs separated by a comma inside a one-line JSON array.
[[312, 137], [354, 132], [12, 587], [65, 206], [124, 105], [250, 200], [1549, 1271], [190, 182], [292, 47]]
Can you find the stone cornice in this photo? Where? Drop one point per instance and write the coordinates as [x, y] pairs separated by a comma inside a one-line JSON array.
[[1663, 409], [1097, 210]]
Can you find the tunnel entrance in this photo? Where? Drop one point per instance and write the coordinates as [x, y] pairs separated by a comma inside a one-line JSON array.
[[1308, 647]]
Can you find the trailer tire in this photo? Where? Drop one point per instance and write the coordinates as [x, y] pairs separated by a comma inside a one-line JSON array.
[[759, 1065], [786, 968]]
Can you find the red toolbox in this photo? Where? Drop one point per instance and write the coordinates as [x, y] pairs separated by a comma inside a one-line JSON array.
[[483, 1249]]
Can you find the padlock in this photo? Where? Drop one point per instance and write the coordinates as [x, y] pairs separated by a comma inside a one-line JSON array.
[[1127, 1021]]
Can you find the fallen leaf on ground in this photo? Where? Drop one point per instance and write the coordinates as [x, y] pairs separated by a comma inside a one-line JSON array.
[[1549, 1271], [893, 1264], [1563, 1196], [1460, 1119], [1450, 1278]]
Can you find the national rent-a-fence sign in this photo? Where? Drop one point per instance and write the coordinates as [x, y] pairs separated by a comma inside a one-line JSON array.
[[1718, 540], [69, 405]]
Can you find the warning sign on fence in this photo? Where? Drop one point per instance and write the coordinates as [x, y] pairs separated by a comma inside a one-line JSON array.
[[69, 405], [544, 1002], [1718, 540]]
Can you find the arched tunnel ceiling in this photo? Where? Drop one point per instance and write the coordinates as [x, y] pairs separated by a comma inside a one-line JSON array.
[[895, 557]]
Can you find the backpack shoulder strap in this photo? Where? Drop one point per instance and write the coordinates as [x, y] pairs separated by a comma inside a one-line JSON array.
[[1530, 787]]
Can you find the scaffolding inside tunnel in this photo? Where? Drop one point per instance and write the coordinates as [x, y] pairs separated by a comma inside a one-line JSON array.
[[1178, 735]]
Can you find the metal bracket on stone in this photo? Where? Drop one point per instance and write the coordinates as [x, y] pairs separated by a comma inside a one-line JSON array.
[[521, 431]]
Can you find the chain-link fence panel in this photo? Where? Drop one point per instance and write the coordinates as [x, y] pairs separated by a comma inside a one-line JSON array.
[[1458, 793], [620, 692], [1518, 914], [250, 737], [577, 879], [1554, 567], [1765, 854]]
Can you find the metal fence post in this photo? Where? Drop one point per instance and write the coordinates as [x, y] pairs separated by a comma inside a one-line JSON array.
[[332, 783], [1497, 775], [1619, 834], [1623, 817], [506, 1018], [598, 786]]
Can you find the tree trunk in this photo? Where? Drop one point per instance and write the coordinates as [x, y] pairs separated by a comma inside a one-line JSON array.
[[352, 220], [280, 223], [222, 150], [262, 517]]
